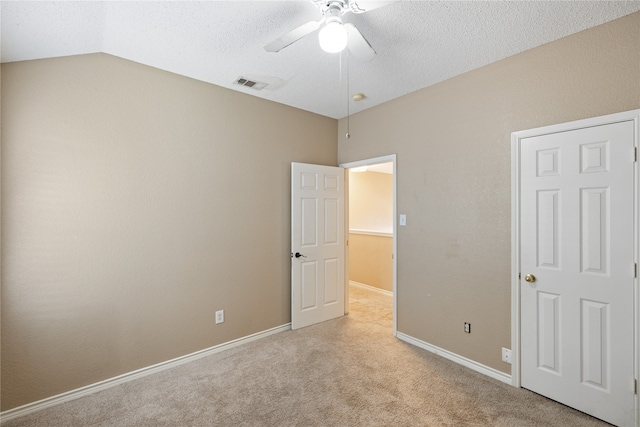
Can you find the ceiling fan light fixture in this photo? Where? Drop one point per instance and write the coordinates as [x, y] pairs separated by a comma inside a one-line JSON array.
[[333, 36]]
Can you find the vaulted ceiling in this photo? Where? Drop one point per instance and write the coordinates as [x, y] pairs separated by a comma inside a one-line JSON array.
[[418, 43]]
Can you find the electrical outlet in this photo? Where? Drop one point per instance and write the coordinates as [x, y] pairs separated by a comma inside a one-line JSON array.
[[506, 355], [467, 327], [219, 316]]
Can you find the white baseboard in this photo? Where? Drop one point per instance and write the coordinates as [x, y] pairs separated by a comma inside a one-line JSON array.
[[370, 288], [478, 367], [130, 376]]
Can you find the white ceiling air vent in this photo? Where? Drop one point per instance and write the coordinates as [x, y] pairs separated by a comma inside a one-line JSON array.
[[250, 83]]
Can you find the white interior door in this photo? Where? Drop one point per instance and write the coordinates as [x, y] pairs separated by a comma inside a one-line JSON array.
[[317, 244], [577, 267]]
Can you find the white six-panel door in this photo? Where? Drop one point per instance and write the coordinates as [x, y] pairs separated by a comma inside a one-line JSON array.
[[577, 269], [317, 243]]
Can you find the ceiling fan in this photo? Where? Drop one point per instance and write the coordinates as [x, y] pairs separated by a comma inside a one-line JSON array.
[[334, 35]]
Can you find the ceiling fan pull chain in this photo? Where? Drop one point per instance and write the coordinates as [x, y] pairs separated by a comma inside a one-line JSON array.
[[348, 135]]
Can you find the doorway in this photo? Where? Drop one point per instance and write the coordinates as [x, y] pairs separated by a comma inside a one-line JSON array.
[[371, 260]]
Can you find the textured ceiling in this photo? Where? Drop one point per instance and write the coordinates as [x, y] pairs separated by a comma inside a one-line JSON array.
[[418, 43]]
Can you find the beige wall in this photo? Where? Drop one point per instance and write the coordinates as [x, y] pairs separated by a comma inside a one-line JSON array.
[[370, 260], [371, 201], [452, 142], [135, 204], [371, 210]]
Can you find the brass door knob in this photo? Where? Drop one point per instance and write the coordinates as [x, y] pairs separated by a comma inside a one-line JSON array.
[[530, 278]]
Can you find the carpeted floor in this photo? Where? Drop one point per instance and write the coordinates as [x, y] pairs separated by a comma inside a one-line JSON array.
[[349, 371]]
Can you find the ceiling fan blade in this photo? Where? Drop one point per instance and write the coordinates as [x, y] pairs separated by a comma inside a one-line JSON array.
[[358, 45], [361, 6], [293, 36]]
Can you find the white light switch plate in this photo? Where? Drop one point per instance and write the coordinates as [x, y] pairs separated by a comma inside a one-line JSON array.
[[403, 219]]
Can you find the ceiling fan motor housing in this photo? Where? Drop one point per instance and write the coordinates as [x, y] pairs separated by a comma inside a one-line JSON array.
[[332, 7]]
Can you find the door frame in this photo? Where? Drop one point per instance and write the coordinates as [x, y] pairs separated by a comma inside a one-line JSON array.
[[516, 141], [368, 162]]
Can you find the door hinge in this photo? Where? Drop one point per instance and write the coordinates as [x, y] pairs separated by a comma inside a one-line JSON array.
[[635, 386], [519, 276], [635, 154], [635, 269]]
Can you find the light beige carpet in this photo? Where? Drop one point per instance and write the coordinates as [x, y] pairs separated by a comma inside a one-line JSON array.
[[345, 372]]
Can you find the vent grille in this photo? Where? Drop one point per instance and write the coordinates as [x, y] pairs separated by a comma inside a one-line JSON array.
[[250, 83]]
